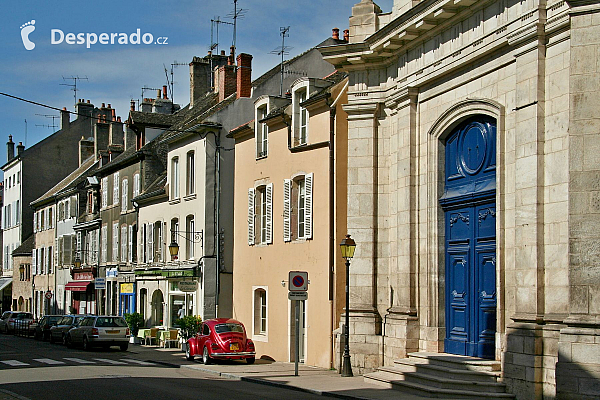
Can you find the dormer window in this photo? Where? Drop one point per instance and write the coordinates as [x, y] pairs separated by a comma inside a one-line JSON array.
[[300, 119], [261, 131]]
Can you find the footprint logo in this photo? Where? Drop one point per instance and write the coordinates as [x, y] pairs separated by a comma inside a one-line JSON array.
[[26, 29]]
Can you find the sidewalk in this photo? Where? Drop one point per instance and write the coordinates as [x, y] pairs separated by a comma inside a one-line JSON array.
[[310, 379]]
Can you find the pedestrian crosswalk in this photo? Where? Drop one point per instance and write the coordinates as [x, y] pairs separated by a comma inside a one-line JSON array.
[[74, 361]]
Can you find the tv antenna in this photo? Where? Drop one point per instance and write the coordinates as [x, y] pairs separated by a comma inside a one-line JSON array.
[[282, 51], [147, 88], [25, 132], [237, 13], [49, 116], [171, 82], [73, 85], [214, 26]]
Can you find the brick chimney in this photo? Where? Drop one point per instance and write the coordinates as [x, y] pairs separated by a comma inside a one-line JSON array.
[[346, 35], [244, 75], [227, 81], [165, 92], [86, 149], [65, 118], [10, 149], [199, 79], [84, 109], [132, 105], [20, 148], [335, 33]]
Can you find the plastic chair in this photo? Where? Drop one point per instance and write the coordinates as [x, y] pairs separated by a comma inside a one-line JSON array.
[[173, 337], [149, 335]]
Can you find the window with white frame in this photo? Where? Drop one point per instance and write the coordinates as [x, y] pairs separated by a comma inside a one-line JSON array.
[[261, 132], [157, 238], [300, 116], [260, 215], [260, 311], [136, 185], [124, 243], [190, 175], [175, 178], [189, 227], [131, 241], [104, 192], [297, 208], [115, 242], [174, 230], [116, 182], [124, 193]]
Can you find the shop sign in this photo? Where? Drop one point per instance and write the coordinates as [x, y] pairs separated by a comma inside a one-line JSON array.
[[126, 288], [112, 273], [100, 283], [188, 286]]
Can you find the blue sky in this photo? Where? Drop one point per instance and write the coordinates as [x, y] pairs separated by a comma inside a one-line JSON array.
[[116, 73]]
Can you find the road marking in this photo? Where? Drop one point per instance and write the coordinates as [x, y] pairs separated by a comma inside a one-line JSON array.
[[106, 360], [79, 360], [137, 361], [14, 363], [48, 361]]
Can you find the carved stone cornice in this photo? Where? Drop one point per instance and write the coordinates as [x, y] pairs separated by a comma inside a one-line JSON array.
[[358, 111], [402, 98]]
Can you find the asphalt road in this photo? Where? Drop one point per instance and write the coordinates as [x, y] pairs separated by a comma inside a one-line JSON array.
[[40, 370]]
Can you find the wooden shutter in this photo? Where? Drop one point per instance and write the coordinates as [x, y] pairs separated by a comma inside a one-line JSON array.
[[33, 260], [251, 216], [308, 220], [104, 239], [105, 192], [130, 241], [150, 242], [141, 254], [116, 188], [46, 253], [115, 244], [67, 249], [287, 209], [35, 217], [269, 195], [74, 206]]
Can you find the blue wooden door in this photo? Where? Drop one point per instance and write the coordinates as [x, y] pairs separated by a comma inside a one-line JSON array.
[[470, 238]]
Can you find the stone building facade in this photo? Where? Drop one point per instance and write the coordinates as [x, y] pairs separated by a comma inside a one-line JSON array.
[[473, 186]]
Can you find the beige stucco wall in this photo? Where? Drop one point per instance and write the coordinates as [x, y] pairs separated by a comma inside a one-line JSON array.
[[21, 289]]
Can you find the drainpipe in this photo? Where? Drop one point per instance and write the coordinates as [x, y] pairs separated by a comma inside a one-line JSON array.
[[217, 220], [331, 231]]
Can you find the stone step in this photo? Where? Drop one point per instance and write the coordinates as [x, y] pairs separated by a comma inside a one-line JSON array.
[[398, 382], [431, 379], [454, 361], [420, 365]]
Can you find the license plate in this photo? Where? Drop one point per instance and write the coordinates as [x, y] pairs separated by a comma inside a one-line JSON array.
[[113, 332], [234, 347]]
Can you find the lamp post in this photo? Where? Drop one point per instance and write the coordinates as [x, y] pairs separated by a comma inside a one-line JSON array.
[[347, 246]]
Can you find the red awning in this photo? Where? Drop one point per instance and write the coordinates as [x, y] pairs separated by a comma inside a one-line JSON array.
[[78, 286]]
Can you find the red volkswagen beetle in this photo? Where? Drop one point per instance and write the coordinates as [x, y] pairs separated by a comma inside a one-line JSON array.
[[221, 338]]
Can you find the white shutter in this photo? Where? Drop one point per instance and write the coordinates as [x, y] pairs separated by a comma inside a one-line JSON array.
[[251, 216], [130, 241], [150, 242], [47, 219], [104, 239], [105, 192], [125, 190], [287, 210], [269, 194], [308, 220], [46, 260], [141, 256], [124, 243], [35, 216], [116, 188], [115, 243], [79, 246], [33, 260]]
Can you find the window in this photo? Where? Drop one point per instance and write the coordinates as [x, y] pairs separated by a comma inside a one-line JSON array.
[[262, 132], [189, 227], [130, 240], [124, 199], [297, 208], [136, 185], [190, 179], [17, 213], [158, 241], [124, 243], [300, 118], [174, 229], [116, 181], [115, 242], [51, 217], [260, 214], [175, 178], [73, 207], [18, 176], [260, 311], [105, 192]]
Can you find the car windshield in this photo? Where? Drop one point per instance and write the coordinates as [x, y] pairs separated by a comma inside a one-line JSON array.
[[52, 320], [109, 322], [22, 316], [66, 321], [224, 328]]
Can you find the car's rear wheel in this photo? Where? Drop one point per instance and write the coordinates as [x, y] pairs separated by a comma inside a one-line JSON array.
[[86, 344], [188, 353], [205, 357], [124, 346], [250, 360]]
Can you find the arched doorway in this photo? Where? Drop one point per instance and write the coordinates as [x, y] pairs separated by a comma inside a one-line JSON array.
[[157, 308], [469, 204], [21, 303]]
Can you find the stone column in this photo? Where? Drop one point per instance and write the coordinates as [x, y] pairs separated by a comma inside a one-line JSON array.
[[365, 323], [578, 367]]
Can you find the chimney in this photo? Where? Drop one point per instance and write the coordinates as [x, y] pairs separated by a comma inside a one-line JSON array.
[[199, 79], [129, 137], [101, 133], [132, 105], [146, 105], [346, 35], [20, 148], [10, 149], [86, 149], [227, 81], [115, 134], [165, 92], [231, 55], [65, 118], [244, 75], [84, 109], [335, 33]]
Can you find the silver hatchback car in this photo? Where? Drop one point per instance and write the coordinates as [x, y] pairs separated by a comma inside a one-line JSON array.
[[103, 330]]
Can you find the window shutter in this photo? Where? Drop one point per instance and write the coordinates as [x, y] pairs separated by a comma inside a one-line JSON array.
[[46, 219], [74, 207], [124, 243], [130, 241], [56, 246], [35, 217], [251, 216], [269, 194], [116, 188], [308, 181], [68, 249], [79, 246], [115, 244], [287, 209], [124, 202], [104, 239], [141, 255], [150, 242], [46, 260], [33, 260]]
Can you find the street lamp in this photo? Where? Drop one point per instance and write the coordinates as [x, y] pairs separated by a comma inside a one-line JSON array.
[[190, 236], [347, 246]]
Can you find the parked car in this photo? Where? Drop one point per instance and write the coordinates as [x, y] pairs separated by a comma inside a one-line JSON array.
[[58, 332], [12, 320], [41, 329], [100, 330], [221, 338]]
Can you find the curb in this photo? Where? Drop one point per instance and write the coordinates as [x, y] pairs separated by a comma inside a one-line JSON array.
[[274, 384]]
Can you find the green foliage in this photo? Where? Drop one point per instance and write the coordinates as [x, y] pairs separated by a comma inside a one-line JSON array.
[[190, 325], [135, 322]]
